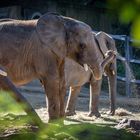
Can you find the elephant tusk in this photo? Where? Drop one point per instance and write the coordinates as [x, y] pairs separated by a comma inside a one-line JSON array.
[[113, 72], [3, 73], [86, 67]]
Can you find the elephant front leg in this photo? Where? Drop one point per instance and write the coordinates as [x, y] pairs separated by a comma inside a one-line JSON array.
[[55, 89], [62, 106], [62, 94], [95, 89], [62, 90], [53, 102], [71, 102]]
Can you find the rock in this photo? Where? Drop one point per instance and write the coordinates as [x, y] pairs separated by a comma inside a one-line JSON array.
[[132, 125]]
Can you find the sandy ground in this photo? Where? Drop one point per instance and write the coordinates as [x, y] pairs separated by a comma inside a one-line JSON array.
[[126, 108]]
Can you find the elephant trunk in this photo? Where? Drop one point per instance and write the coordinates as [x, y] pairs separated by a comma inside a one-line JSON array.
[[96, 69], [109, 56], [97, 72]]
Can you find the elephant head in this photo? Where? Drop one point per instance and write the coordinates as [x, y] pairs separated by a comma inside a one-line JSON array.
[[67, 37]]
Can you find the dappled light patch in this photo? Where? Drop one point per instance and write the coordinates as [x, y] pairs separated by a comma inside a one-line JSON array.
[[13, 124], [51, 131], [122, 112]]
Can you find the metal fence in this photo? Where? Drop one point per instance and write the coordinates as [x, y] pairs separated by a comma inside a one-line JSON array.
[[128, 59]]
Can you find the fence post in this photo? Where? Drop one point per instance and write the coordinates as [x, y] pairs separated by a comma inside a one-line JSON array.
[[127, 68]]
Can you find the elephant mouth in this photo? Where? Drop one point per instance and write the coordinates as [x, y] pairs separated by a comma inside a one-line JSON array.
[[96, 73], [88, 67], [98, 69]]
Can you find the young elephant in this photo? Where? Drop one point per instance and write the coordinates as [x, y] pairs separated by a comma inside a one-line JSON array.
[[36, 49], [76, 76]]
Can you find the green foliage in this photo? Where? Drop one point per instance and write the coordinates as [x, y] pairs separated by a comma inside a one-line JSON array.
[[136, 30], [128, 13], [7, 103]]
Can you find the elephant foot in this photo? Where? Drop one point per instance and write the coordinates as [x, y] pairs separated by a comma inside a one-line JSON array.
[[112, 113], [58, 122], [96, 114], [70, 113]]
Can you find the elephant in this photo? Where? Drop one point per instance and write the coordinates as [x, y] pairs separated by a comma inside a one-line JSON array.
[[37, 49], [76, 76]]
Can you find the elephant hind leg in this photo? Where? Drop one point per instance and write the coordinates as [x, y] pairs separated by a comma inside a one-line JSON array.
[[71, 103], [95, 89], [111, 73]]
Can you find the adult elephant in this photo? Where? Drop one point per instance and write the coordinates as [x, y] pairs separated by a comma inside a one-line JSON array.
[[76, 77], [38, 48]]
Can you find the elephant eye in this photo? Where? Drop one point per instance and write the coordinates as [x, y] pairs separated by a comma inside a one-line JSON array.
[[82, 46]]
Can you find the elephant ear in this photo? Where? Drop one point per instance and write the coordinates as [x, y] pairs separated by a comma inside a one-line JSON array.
[[51, 32], [101, 41]]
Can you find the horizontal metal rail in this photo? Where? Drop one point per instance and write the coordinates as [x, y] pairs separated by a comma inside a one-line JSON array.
[[135, 61], [132, 80]]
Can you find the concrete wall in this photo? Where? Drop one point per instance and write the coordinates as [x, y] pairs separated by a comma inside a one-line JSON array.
[[98, 18]]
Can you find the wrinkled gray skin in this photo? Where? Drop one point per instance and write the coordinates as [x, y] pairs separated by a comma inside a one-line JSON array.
[[36, 49], [76, 76]]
